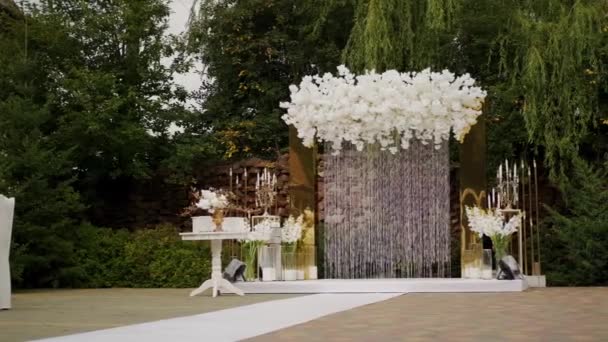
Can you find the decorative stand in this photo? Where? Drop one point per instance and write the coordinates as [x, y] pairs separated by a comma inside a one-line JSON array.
[[217, 281], [7, 206]]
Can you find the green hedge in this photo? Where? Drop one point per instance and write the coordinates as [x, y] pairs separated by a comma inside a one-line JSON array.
[[150, 258]]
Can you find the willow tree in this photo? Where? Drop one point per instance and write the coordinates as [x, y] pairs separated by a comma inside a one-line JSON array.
[[554, 53], [397, 34]]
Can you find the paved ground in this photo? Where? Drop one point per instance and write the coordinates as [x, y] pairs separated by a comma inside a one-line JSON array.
[[39, 314], [552, 314]]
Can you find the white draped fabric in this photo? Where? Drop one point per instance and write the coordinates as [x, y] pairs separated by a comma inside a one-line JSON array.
[[7, 206]]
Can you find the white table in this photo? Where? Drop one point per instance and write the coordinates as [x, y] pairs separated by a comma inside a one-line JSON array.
[[217, 281]]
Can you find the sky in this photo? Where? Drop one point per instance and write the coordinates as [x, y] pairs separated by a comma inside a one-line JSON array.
[[180, 11]]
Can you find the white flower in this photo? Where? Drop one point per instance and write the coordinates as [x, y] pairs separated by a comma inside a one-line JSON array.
[[211, 201], [292, 229], [491, 222], [390, 108]]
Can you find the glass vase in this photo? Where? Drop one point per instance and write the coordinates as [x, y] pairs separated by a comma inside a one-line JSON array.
[[486, 264], [267, 262], [309, 262], [500, 244], [249, 251], [289, 262]]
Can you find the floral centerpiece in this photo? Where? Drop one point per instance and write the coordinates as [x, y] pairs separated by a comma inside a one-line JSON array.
[[256, 238], [491, 223], [214, 202], [291, 234], [388, 109]]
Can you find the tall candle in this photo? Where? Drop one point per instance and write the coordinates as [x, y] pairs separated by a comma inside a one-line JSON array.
[[230, 173], [500, 174], [499, 201], [489, 202]]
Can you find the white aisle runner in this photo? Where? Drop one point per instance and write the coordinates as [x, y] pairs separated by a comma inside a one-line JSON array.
[[236, 323]]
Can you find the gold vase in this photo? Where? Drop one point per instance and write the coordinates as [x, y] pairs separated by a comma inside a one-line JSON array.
[[218, 219]]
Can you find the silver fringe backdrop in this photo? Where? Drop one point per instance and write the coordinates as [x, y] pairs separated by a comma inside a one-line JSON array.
[[387, 216]]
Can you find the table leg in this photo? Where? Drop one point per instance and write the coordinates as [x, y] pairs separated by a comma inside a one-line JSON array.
[[206, 285], [217, 282]]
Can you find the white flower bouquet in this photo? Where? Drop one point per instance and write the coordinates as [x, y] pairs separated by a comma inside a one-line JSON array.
[[212, 200], [389, 109], [255, 239], [491, 223], [291, 232]]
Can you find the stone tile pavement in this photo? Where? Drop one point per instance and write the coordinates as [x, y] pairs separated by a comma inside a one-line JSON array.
[[551, 314]]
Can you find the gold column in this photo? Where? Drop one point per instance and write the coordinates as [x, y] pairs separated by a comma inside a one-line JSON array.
[[472, 176], [302, 176]]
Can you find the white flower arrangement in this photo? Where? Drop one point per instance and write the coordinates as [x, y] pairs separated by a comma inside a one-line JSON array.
[[291, 232], [491, 222], [261, 232], [211, 201], [389, 108]]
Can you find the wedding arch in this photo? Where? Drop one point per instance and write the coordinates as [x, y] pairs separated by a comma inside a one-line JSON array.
[[386, 166]]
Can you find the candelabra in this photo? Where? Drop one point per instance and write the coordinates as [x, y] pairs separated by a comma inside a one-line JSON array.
[[265, 190], [506, 192], [516, 191]]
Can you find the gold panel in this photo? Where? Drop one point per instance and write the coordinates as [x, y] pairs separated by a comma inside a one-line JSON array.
[[302, 176], [472, 175]]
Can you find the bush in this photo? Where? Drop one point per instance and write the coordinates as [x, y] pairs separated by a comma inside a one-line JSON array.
[[102, 257]]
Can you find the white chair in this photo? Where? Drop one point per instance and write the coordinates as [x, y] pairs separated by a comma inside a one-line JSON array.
[[7, 207]]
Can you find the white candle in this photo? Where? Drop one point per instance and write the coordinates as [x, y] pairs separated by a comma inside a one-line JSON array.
[[268, 274], [237, 180], [499, 201], [489, 202], [475, 273], [290, 275], [500, 174], [312, 272], [507, 168]]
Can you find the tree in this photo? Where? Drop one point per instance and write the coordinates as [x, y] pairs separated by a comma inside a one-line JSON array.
[[253, 50], [31, 168]]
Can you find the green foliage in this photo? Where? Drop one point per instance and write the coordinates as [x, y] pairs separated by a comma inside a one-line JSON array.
[[399, 34], [553, 52], [253, 50], [150, 258], [575, 246]]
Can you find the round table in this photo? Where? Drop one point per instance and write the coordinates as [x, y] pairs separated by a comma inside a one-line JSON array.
[[217, 281]]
